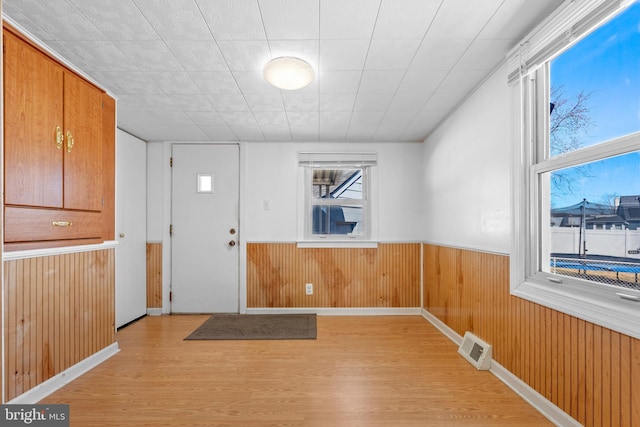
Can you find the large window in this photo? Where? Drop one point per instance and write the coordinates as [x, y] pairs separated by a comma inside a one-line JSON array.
[[577, 180], [337, 196]]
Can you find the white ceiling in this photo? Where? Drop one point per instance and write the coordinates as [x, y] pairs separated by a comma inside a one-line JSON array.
[[386, 70]]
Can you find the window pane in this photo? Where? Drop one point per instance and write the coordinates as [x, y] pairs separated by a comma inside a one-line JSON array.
[[337, 184], [335, 219], [595, 86], [594, 220]]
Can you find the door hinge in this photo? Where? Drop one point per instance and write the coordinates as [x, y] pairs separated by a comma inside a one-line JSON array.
[[170, 162], [170, 296], [170, 229]]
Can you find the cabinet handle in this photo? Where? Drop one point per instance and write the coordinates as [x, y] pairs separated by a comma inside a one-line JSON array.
[[59, 137], [62, 223], [70, 141]]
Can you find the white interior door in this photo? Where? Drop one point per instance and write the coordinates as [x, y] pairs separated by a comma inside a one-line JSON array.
[[204, 218], [131, 228]]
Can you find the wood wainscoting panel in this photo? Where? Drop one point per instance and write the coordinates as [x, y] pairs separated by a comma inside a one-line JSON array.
[[386, 276], [154, 275], [590, 372], [59, 310]]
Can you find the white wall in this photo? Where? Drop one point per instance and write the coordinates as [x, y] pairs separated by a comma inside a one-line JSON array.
[[272, 174], [466, 181]]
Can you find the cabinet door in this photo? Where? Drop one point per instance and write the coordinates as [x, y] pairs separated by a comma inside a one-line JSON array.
[[33, 87], [83, 188]]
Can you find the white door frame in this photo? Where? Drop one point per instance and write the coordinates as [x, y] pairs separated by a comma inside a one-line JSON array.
[[166, 222]]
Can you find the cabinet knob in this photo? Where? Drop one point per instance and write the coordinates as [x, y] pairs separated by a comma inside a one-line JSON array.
[[232, 243], [121, 234]]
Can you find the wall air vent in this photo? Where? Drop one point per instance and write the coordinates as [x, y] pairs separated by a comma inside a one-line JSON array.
[[476, 351]]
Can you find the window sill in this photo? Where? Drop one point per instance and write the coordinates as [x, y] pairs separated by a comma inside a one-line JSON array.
[[591, 303], [337, 244]]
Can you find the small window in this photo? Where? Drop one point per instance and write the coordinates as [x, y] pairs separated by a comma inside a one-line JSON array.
[[337, 196]]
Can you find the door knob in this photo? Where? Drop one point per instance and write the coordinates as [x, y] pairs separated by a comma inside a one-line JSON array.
[[232, 243], [232, 231]]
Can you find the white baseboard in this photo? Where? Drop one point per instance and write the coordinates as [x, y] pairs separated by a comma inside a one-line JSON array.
[[154, 312], [340, 311], [41, 391], [522, 389]]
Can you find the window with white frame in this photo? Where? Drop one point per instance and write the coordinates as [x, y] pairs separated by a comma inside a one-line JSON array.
[[576, 193], [337, 193]]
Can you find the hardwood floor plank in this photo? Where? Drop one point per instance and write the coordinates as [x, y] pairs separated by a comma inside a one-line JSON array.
[[361, 371]]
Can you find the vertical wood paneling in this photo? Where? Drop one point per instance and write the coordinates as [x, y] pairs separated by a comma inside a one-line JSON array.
[[386, 276], [154, 275], [59, 311], [590, 372]]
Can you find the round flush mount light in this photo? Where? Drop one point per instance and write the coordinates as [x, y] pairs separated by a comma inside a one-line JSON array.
[[288, 73]]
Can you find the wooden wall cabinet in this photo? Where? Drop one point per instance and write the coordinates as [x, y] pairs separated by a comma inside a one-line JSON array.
[[57, 155]]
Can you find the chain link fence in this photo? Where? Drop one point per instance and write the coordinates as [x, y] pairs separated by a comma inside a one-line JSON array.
[[616, 273]]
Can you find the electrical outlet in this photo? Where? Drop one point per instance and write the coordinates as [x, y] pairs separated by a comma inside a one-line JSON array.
[[309, 288]]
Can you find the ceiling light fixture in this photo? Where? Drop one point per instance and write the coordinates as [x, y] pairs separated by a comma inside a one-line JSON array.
[[288, 73]]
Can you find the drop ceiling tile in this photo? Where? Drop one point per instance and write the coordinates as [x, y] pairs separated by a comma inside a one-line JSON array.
[[441, 54], [94, 55], [393, 125], [348, 19], [373, 101], [174, 82], [290, 19], [334, 125], [408, 101], [264, 102], [376, 81], [185, 133], [462, 81], [513, 18], [337, 102], [233, 19], [406, 19], [239, 118], [339, 81], [215, 83], [485, 54], [443, 101], [206, 118], [117, 19], [191, 102], [57, 19], [155, 102], [126, 82], [228, 103], [253, 82], [271, 118], [198, 55], [173, 118], [391, 54], [462, 19], [421, 81], [343, 54], [245, 55], [149, 55], [300, 101], [175, 19], [219, 133], [304, 126], [366, 119]]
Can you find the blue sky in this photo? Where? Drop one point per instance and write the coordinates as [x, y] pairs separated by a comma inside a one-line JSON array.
[[606, 64]]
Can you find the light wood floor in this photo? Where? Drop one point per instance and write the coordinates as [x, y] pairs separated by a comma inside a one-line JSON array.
[[361, 371]]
